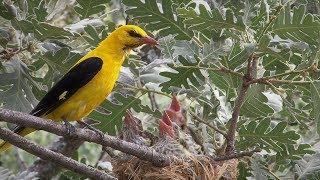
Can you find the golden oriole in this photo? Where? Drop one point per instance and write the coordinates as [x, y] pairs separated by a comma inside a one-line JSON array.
[[89, 81]]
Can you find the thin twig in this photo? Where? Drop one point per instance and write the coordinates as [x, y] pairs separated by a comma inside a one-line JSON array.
[[289, 82], [208, 124], [287, 73], [227, 70], [236, 155], [49, 155], [142, 152]]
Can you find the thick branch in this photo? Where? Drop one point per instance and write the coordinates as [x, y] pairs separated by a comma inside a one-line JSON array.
[[237, 106], [234, 119], [47, 169], [49, 155], [142, 152]]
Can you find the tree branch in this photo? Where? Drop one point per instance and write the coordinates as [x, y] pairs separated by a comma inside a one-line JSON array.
[[237, 106], [47, 169], [49, 155], [142, 152]]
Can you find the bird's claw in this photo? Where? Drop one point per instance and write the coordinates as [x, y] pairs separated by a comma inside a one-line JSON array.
[[70, 128], [99, 133]]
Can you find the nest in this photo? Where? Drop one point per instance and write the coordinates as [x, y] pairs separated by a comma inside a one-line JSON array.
[[193, 167]]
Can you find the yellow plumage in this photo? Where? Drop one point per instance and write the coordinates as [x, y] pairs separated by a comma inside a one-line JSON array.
[[112, 51]]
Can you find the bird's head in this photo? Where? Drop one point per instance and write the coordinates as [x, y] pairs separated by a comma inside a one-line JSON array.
[[132, 124], [131, 36], [167, 128], [175, 112]]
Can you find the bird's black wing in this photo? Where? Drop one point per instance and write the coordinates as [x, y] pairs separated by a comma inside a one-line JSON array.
[[70, 83]]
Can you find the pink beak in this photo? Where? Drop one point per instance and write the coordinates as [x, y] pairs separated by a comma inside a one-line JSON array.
[[149, 40]]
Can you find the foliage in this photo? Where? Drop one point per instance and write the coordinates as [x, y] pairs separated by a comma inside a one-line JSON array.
[[262, 135], [205, 48], [308, 167], [7, 174]]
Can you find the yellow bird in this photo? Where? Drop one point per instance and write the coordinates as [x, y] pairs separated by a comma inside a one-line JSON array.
[[89, 81]]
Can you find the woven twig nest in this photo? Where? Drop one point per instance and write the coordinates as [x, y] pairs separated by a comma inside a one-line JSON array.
[[193, 167]]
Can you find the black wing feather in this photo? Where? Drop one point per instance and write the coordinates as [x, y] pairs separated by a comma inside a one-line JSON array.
[[76, 78]]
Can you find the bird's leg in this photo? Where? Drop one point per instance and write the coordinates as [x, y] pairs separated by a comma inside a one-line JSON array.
[[100, 133], [70, 128]]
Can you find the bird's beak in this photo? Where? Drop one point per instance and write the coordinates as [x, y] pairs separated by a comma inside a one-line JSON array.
[[166, 118], [129, 119], [165, 129], [175, 104], [149, 40]]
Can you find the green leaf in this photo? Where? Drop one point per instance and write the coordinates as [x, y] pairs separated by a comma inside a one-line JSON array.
[[41, 11], [255, 103], [308, 167], [54, 7], [15, 86], [4, 38], [186, 49], [238, 55], [244, 172], [226, 83], [47, 31], [209, 53], [263, 135], [182, 76], [289, 152], [259, 170], [166, 44], [297, 25], [315, 96], [280, 58], [93, 37], [25, 26], [209, 20], [110, 114], [158, 19], [41, 30], [212, 51], [86, 8], [7, 11]]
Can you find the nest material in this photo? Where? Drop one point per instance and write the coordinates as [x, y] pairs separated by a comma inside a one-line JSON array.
[[193, 167]]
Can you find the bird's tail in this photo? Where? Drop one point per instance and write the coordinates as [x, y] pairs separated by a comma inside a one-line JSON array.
[[22, 131]]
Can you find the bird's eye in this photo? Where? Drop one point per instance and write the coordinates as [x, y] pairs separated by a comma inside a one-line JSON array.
[[133, 33]]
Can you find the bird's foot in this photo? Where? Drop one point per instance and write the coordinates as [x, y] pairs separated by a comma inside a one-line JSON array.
[[97, 131], [70, 128]]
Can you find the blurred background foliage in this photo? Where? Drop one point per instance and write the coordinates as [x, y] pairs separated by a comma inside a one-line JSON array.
[[41, 39]]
